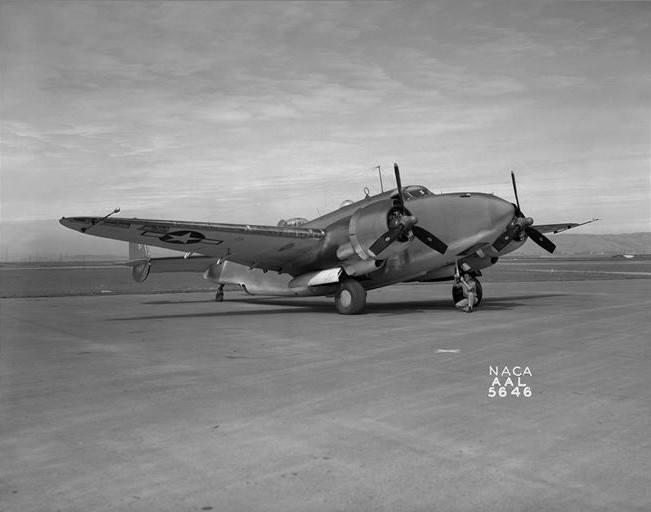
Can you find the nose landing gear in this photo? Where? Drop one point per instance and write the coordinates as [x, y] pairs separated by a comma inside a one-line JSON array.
[[457, 292]]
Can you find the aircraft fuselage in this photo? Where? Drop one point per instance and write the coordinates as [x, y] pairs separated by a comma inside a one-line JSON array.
[[463, 220]]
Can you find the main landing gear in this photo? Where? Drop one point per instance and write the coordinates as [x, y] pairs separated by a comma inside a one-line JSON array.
[[219, 296], [350, 298], [457, 292]]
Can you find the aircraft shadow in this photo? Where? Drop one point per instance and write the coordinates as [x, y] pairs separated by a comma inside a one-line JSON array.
[[301, 305], [217, 314], [162, 302], [524, 297]]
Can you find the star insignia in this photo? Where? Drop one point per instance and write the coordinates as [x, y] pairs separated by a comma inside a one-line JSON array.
[[182, 237]]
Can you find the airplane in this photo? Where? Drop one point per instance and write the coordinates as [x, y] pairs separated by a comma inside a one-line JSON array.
[[407, 234]]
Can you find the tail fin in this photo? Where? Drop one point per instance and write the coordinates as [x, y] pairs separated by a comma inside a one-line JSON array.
[[138, 251], [139, 261]]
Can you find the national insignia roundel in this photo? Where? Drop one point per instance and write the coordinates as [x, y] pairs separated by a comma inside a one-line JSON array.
[[182, 237]]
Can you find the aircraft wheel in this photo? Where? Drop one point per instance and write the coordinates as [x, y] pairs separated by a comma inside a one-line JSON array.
[[350, 298], [219, 297], [457, 293], [480, 292]]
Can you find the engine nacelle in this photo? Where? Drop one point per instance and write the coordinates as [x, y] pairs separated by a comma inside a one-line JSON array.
[[367, 225], [476, 261]]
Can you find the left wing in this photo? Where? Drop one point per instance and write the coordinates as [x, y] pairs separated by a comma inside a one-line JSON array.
[[557, 228], [282, 249]]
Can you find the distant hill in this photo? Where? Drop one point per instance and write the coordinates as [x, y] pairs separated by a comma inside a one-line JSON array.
[[49, 241], [568, 244]]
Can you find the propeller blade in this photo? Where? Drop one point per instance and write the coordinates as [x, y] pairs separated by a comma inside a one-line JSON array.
[[504, 240], [509, 234], [515, 190], [540, 239], [400, 198], [400, 214], [429, 239], [386, 240]]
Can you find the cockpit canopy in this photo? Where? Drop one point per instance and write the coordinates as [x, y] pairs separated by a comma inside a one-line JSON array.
[[415, 191], [292, 223]]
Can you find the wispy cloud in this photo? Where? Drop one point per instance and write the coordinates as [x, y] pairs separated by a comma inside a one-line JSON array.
[[247, 111]]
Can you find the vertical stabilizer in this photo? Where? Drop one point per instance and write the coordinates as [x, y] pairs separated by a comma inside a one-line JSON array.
[[138, 251]]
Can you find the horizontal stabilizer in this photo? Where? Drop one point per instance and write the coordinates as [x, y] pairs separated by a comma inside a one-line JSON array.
[[176, 264], [141, 268]]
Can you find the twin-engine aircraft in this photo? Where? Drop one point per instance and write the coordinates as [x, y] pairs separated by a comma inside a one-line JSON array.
[[406, 234]]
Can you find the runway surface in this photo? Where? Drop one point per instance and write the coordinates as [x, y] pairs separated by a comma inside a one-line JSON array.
[[174, 402]]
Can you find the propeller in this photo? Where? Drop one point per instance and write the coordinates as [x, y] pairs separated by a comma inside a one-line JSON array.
[[540, 239], [516, 226], [401, 222], [515, 191]]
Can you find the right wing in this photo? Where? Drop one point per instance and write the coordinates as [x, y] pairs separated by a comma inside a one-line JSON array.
[[557, 228], [282, 249]]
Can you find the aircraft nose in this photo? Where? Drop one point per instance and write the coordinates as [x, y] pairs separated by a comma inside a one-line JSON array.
[[501, 210]]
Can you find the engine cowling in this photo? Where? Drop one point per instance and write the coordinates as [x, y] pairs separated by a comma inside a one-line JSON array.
[[370, 223]]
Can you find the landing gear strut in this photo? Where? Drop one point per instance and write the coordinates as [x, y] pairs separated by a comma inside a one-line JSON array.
[[350, 298], [219, 296], [457, 292]]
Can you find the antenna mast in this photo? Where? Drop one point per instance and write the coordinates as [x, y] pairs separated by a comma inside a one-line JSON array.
[[379, 171]]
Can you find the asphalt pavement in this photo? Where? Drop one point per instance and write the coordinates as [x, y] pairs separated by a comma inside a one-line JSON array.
[[174, 402]]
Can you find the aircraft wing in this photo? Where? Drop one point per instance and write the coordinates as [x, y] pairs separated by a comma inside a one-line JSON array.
[[557, 228], [282, 249]]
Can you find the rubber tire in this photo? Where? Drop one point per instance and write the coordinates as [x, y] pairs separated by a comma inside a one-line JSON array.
[[457, 293], [219, 297], [350, 298]]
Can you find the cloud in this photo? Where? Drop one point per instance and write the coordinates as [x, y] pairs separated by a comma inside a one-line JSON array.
[[216, 110], [564, 82]]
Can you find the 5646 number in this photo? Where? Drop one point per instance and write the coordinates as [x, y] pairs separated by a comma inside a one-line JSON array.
[[502, 392]]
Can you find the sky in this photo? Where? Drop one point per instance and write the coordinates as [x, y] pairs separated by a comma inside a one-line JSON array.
[[249, 112]]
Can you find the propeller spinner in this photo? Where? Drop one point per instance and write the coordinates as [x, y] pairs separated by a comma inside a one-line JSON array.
[[401, 223]]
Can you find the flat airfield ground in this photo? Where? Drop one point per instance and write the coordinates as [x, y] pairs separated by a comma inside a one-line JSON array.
[[174, 402]]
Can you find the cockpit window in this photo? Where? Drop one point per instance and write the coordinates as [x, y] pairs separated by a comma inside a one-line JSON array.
[[292, 223], [415, 191]]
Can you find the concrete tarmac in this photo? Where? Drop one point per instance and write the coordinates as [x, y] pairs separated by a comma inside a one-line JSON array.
[[177, 403]]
